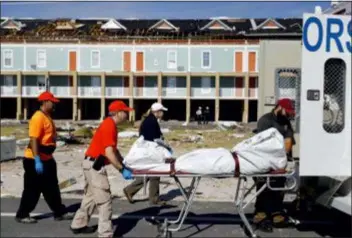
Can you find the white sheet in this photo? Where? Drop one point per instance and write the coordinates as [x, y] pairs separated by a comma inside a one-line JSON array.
[[258, 154]]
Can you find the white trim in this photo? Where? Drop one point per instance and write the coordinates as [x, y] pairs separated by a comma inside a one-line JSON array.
[[245, 60], [117, 24], [225, 27], [4, 52], [68, 61], [268, 20], [91, 59], [123, 60], [43, 51], [137, 51], [24, 57], [90, 46], [202, 59], [165, 21], [168, 59]]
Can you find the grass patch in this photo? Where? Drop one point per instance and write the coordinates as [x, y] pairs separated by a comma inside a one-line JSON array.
[[19, 132]]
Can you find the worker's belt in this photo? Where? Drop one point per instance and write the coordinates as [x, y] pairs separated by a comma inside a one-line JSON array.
[[237, 164], [89, 158], [45, 149]]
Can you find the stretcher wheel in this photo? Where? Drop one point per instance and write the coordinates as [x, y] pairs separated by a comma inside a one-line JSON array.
[[163, 235]]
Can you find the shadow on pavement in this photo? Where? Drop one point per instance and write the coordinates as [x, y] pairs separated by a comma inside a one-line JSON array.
[[124, 226]]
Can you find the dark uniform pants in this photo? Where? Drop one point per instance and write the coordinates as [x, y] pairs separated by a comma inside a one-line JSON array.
[[270, 201], [138, 183], [34, 185]]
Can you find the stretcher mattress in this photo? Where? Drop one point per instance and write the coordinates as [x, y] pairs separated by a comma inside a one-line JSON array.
[[261, 153]]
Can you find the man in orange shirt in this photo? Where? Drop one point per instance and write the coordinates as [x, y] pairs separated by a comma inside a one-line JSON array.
[[39, 165], [102, 151]]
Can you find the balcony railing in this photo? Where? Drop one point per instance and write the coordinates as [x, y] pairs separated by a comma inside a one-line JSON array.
[[174, 92], [116, 92], [32, 91], [89, 91], [8, 91], [146, 92], [253, 93], [61, 91]]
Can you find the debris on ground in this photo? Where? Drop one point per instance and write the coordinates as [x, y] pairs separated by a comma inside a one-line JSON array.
[[22, 142], [128, 134], [238, 135], [193, 139]]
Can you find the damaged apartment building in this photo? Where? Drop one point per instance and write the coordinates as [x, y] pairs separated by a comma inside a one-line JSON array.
[[184, 64]]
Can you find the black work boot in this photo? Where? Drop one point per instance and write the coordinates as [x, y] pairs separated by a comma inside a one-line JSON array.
[[84, 230]]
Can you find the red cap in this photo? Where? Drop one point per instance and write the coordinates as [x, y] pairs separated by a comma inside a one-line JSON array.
[[118, 105], [287, 104], [47, 96]]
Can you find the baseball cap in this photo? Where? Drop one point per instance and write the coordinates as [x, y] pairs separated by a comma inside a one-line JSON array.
[[119, 105], [47, 96], [287, 104], [158, 107]]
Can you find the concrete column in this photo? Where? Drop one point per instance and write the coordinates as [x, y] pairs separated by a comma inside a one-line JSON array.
[[25, 109], [79, 110], [160, 86], [19, 114], [102, 103], [246, 100], [217, 97], [188, 97], [132, 114], [75, 95]]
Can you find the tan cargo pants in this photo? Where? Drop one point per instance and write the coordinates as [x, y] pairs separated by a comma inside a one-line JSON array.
[[96, 194]]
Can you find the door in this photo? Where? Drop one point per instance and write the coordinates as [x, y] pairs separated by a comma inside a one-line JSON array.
[[325, 110], [140, 61], [72, 60], [127, 61], [252, 61], [238, 61]]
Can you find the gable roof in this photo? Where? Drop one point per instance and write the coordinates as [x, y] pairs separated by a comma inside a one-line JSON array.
[[112, 24], [216, 24], [270, 23], [12, 24], [163, 24]]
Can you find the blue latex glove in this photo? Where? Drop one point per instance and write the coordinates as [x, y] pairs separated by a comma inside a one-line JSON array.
[[38, 164], [127, 174]]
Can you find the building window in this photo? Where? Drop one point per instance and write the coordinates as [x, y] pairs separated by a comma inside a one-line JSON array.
[[334, 95], [171, 85], [171, 59], [206, 62], [41, 83], [9, 80], [206, 85], [41, 58], [95, 81], [95, 59], [8, 58]]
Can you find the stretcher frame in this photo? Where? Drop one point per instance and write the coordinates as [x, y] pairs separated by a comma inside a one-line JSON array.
[[167, 227]]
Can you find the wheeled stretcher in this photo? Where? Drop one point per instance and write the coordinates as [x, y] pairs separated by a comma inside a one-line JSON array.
[[242, 192]]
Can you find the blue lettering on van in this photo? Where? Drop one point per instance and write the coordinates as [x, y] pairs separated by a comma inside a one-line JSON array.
[[330, 35], [349, 43], [316, 46], [334, 35]]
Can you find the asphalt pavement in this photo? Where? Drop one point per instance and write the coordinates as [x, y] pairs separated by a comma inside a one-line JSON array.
[[206, 219]]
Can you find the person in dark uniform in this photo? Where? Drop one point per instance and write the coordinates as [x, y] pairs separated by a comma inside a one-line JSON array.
[[269, 204], [150, 130], [206, 115]]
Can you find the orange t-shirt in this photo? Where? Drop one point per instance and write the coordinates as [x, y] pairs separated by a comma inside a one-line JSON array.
[[105, 136], [41, 127]]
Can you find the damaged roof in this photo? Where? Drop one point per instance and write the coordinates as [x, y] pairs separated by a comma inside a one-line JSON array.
[[135, 28]]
